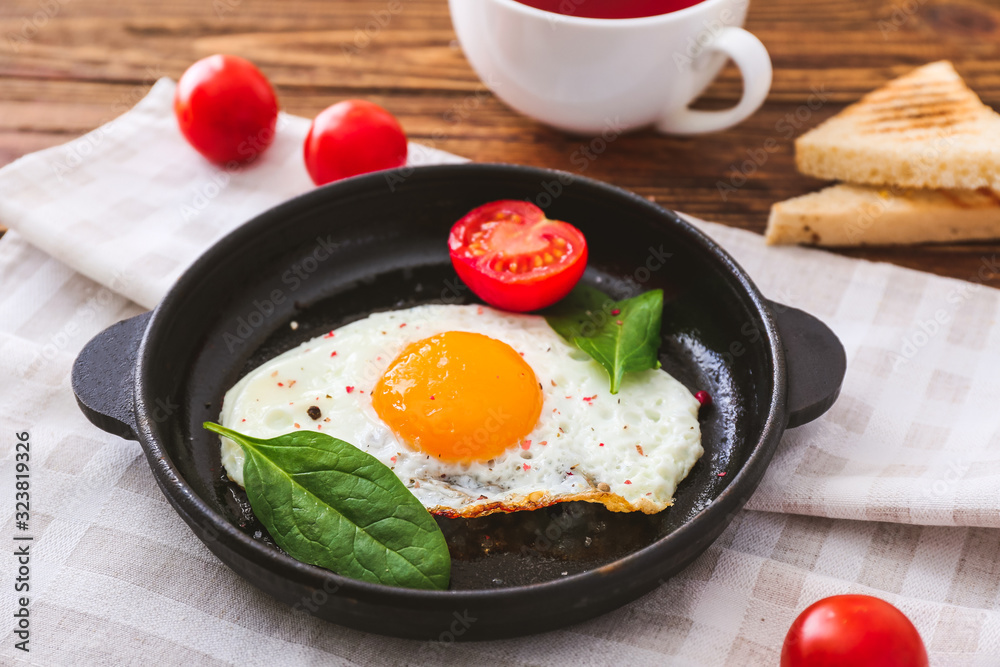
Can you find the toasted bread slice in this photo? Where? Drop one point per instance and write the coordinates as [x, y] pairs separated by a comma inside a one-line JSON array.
[[851, 215], [926, 129]]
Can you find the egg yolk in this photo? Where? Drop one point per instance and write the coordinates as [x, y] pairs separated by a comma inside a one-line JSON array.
[[459, 396]]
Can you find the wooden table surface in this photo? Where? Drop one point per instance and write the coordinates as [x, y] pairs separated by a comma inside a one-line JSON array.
[[67, 66]]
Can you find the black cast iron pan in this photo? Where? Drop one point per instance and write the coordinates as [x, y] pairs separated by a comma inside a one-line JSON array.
[[378, 242]]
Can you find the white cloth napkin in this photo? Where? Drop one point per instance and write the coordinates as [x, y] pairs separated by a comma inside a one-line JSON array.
[[912, 446], [130, 205]]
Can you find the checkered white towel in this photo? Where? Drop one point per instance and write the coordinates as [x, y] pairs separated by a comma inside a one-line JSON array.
[[911, 450], [132, 204]]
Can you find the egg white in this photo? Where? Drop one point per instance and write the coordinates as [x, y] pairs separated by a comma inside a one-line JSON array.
[[628, 451]]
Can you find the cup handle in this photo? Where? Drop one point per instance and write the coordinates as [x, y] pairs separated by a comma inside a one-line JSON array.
[[751, 57]]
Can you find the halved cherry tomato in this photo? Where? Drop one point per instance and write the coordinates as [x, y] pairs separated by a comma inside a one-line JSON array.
[[353, 137], [226, 108], [854, 631], [515, 258]]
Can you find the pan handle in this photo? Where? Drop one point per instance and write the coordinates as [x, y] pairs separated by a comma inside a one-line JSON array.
[[815, 362], [104, 374]]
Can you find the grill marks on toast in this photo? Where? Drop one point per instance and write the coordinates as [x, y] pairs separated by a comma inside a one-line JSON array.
[[907, 105], [973, 199]]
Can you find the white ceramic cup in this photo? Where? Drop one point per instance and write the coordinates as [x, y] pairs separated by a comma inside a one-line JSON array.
[[584, 74]]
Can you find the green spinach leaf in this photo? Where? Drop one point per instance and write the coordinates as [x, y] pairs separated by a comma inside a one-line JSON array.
[[327, 503], [623, 336]]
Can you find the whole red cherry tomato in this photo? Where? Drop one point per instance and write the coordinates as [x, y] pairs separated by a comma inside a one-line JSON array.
[[853, 631], [353, 137], [226, 108], [515, 258]]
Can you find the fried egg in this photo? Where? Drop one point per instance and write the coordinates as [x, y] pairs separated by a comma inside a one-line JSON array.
[[477, 411]]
